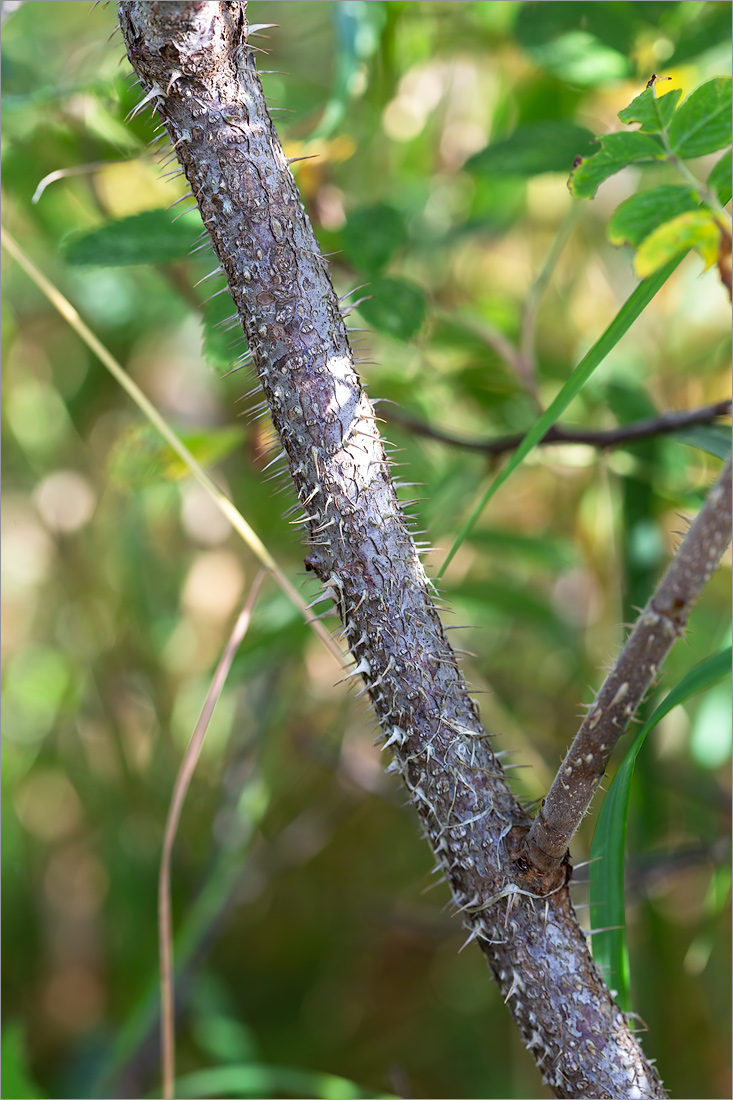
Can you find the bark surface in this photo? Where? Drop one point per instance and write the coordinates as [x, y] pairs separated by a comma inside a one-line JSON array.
[[660, 624], [196, 65]]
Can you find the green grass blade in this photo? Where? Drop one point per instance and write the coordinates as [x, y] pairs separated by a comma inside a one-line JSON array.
[[254, 1080], [622, 322], [17, 1077], [609, 839]]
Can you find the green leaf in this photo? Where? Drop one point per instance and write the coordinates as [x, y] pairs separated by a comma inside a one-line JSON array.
[[703, 122], [372, 234], [531, 150], [153, 237], [622, 322], [720, 178], [636, 218], [696, 229], [713, 439], [139, 457], [617, 152], [652, 111], [215, 1025], [709, 29], [358, 31], [256, 1080], [654, 11], [583, 43], [609, 839], [579, 58], [612, 24], [515, 603], [17, 1080], [547, 553], [396, 307]]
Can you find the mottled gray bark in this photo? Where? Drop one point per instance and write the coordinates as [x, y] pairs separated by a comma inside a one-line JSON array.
[[196, 66]]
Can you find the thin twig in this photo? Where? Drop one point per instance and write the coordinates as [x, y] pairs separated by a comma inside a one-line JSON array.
[[500, 344], [521, 359], [180, 789], [656, 630], [664, 424], [531, 307]]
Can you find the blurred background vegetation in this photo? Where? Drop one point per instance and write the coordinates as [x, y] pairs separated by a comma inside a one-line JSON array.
[[309, 939]]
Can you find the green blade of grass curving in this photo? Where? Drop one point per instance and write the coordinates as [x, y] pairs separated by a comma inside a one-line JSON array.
[[622, 322], [609, 839]]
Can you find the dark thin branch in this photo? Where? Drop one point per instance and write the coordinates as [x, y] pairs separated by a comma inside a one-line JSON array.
[[664, 424], [656, 630]]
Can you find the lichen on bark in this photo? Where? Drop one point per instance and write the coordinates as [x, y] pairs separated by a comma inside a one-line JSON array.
[[196, 65]]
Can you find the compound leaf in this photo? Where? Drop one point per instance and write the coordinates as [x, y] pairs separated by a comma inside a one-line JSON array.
[[696, 229], [638, 216], [703, 122], [653, 112], [617, 152]]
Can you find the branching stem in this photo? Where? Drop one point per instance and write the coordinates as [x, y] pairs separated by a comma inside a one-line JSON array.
[[656, 630], [195, 62]]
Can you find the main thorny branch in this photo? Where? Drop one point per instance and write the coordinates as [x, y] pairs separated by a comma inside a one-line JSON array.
[[508, 875]]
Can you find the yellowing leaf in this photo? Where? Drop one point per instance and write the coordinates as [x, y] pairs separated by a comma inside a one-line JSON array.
[[696, 229], [130, 186]]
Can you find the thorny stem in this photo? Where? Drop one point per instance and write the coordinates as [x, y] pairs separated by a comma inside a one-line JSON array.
[[197, 67], [656, 630], [664, 424]]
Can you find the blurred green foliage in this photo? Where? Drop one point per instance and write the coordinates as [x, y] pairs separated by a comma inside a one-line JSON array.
[[310, 949]]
